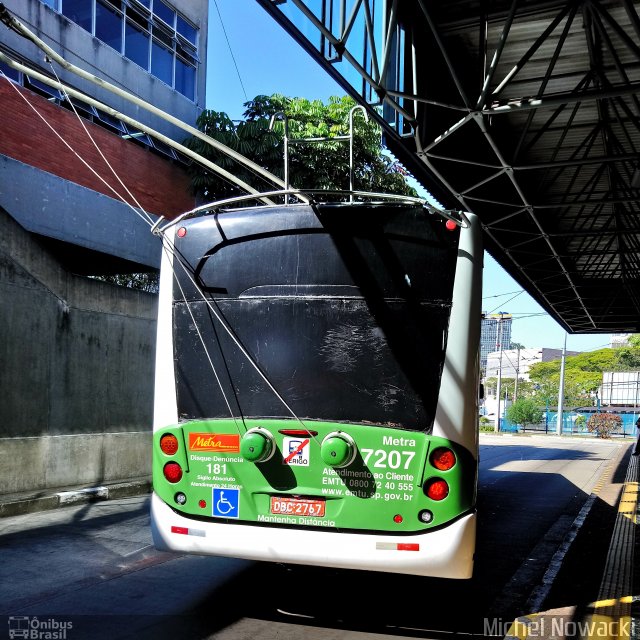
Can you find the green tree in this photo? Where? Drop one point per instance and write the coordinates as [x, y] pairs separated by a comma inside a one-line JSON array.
[[583, 375], [321, 165], [629, 357], [524, 411], [508, 385]]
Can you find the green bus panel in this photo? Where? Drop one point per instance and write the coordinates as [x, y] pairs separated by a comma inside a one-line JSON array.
[[383, 488]]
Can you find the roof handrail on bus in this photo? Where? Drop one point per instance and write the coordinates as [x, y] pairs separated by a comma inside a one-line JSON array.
[[457, 217]]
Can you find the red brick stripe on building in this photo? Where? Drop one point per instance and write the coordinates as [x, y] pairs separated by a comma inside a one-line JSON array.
[[160, 186]]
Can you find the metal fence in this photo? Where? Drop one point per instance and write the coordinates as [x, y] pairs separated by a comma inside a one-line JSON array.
[[549, 424]]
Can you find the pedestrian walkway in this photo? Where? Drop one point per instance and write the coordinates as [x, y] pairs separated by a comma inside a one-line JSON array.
[[615, 615]]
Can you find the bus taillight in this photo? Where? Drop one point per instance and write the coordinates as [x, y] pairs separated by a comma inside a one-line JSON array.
[[443, 459], [169, 444], [172, 472], [436, 489]]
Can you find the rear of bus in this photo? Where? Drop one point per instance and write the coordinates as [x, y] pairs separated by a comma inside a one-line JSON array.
[[316, 388]]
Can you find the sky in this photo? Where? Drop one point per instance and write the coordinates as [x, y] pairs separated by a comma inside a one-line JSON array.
[[250, 54]]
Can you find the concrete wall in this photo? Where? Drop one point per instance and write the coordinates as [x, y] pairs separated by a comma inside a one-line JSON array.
[[77, 372]]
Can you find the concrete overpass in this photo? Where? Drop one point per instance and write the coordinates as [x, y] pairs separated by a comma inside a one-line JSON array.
[[524, 112]]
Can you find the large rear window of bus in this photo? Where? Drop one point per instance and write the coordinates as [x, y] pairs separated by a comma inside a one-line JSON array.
[[344, 309]]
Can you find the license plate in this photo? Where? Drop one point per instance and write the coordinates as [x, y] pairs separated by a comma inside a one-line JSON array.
[[297, 507]]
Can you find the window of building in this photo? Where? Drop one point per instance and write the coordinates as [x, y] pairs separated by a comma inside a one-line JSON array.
[[150, 33], [136, 44], [79, 11], [187, 31], [11, 73], [161, 62], [185, 80], [165, 13], [109, 25]]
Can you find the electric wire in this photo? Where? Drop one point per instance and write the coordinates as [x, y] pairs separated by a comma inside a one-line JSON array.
[[507, 302], [501, 295], [97, 147], [238, 343], [73, 151], [235, 64], [171, 256], [146, 219]]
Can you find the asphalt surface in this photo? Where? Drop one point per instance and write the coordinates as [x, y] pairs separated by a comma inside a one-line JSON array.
[[90, 571]]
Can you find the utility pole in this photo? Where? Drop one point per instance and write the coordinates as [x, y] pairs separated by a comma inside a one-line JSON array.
[[515, 390], [499, 389], [561, 390]]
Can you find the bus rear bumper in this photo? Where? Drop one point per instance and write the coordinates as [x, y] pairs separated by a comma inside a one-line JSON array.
[[443, 553]]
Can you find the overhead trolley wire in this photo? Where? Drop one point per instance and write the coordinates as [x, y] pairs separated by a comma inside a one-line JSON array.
[[235, 64]]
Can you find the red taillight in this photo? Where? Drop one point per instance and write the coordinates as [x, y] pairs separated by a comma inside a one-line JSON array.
[[172, 472], [169, 444], [436, 489], [182, 232], [398, 518], [443, 459], [450, 225]]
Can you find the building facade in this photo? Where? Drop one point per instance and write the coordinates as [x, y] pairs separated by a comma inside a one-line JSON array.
[[620, 388], [78, 353], [151, 48], [495, 334], [620, 340]]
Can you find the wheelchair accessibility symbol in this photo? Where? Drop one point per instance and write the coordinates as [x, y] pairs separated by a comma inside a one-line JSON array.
[[226, 503]]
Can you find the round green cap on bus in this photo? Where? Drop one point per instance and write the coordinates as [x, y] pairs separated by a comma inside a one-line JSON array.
[[338, 450], [257, 445]]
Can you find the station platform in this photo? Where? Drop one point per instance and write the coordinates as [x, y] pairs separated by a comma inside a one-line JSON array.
[[615, 613]]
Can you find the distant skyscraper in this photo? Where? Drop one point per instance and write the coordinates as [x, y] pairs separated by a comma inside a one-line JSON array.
[[495, 331]]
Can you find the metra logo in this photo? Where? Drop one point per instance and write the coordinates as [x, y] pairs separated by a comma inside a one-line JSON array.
[[227, 442]]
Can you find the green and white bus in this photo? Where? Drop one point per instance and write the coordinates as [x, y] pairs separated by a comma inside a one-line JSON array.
[[317, 385]]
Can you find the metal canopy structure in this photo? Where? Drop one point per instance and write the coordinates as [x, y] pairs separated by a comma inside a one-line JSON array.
[[525, 112]]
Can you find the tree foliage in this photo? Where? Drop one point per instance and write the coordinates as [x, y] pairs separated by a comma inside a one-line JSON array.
[[524, 411], [320, 165], [629, 357], [508, 387], [583, 373], [149, 282]]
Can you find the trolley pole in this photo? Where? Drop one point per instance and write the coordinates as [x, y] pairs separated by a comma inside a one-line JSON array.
[[561, 390]]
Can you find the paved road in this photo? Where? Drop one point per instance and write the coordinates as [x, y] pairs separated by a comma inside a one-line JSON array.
[[92, 569]]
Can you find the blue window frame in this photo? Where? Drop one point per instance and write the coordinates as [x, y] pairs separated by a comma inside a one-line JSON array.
[[150, 33]]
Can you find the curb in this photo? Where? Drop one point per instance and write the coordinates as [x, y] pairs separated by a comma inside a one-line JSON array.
[[19, 505]]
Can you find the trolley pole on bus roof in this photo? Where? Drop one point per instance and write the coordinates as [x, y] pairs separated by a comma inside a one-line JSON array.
[[561, 390]]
